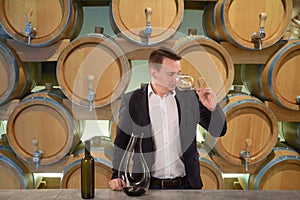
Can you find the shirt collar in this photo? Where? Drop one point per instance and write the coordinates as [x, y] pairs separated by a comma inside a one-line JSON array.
[[150, 91]]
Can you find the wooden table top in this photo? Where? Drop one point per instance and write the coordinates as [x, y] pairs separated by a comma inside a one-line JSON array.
[[44, 194]]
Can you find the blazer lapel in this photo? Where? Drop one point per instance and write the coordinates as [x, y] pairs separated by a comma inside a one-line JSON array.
[[139, 112]]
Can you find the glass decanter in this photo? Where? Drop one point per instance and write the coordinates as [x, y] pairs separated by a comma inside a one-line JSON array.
[[133, 168]]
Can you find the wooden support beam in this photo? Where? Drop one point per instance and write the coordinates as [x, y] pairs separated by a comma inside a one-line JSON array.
[[188, 4], [243, 56], [94, 2], [135, 51], [284, 114], [58, 167], [227, 167], [38, 54], [197, 4], [83, 113]]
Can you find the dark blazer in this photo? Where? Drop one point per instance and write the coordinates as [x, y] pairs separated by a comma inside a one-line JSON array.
[[134, 118]]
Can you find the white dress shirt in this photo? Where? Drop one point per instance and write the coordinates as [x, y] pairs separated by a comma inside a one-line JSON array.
[[165, 128]]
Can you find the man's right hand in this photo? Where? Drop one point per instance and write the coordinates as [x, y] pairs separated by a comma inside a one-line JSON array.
[[116, 184]]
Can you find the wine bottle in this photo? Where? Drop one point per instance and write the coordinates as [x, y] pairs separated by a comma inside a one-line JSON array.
[[87, 173]]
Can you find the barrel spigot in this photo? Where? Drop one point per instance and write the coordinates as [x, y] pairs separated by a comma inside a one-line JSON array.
[[37, 154], [245, 155], [298, 100], [30, 31], [148, 29], [258, 36], [91, 94]]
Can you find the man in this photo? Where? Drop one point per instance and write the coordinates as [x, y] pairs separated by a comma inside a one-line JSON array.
[[168, 117]]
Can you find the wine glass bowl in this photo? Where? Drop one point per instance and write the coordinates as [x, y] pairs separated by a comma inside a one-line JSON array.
[[186, 82]]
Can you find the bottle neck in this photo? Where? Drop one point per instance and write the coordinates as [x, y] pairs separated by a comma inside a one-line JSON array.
[[87, 149]]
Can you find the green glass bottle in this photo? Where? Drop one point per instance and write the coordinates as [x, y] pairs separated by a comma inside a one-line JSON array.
[[87, 173]]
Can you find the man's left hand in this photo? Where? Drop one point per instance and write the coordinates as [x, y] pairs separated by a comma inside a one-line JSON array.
[[208, 98]]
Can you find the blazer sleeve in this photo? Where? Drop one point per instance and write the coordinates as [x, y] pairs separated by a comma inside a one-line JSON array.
[[123, 133], [213, 121]]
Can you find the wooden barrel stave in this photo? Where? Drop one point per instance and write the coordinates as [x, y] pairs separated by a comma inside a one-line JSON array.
[[208, 21], [291, 134], [101, 150], [56, 132], [97, 55], [13, 172], [280, 173], [77, 24], [101, 147], [250, 76], [71, 175], [203, 57], [225, 22], [17, 78], [165, 19], [255, 118], [293, 31], [63, 24], [269, 81], [211, 174]]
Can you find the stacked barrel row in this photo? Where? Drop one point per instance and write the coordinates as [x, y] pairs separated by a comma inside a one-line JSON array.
[[43, 117], [252, 125], [41, 130]]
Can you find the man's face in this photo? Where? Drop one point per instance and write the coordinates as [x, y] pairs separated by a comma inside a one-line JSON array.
[[166, 76]]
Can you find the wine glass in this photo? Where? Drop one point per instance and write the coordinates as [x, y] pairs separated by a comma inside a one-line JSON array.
[[186, 82]]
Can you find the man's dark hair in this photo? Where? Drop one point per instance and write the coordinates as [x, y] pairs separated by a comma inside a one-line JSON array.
[[157, 56]]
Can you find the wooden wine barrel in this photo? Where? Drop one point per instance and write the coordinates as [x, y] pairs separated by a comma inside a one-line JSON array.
[[211, 174], [48, 74], [53, 19], [72, 174], [101, 147], [270, 81], [247, 119], [293, 31], [13, 173], [101, 150], [43, 117], [291, 133], [17, 78], [77, 24], [203, 57], [280, 173], [237, 75], [99, 56], [236, 21], [129, 19]]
